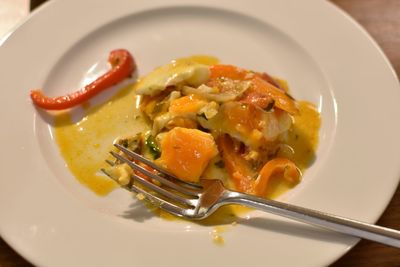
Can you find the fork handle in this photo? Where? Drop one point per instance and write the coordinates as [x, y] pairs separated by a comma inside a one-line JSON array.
[[340, 224]]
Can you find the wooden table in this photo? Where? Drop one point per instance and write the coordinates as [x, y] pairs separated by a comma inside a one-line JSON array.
[[381, 18]]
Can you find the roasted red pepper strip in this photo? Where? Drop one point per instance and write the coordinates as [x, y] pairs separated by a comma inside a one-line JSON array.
[[122, 64], [237, 167]]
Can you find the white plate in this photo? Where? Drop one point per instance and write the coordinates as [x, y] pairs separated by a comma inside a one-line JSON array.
[[52, 220]]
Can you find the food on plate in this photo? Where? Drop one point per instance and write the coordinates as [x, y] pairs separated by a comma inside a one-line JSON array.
[[196, 118], [122, 66], [217, 121], [187, 152]]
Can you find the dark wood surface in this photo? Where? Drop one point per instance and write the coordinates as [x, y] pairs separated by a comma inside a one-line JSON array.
[[381, 18]]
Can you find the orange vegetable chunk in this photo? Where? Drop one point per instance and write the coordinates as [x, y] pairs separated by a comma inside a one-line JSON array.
[[186, 105], [238, 168], [277, 165], [186, 153]]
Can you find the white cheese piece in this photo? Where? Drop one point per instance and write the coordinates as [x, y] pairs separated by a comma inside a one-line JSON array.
[[179, 72]]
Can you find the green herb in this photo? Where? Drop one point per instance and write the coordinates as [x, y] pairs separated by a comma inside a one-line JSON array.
[[161, 174], [219, 164], [158, 107], [153, 147], [124, 143]]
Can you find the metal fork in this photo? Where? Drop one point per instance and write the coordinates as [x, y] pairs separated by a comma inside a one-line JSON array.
[[198, 201]]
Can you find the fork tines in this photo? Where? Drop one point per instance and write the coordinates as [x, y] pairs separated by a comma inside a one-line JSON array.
[[172, 195]]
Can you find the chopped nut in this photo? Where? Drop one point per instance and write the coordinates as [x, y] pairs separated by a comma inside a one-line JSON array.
[[140, 196], [256, 135], [124, 172], [252, 155]]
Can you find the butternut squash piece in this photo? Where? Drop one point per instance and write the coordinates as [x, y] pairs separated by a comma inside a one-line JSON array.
[[187, 152], [186, 105]]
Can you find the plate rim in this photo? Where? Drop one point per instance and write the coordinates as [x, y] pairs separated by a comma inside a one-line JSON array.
[[360, 28]]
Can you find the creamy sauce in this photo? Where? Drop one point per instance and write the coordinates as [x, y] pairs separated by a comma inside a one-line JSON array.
[[304, 135], [216, 235], [86, 144], [303, 139]]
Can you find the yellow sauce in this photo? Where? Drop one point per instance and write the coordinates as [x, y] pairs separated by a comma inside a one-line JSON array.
[[216, 235], [303, 139], [206, 60], [85, 145], [304, 135]]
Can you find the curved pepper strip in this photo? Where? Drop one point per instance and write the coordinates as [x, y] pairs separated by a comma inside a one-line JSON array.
[[278, 165], [268, 78], [237, 167], [122, 64], [242, 174]]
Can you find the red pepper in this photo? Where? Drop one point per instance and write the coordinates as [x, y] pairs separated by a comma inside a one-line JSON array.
[[122, 64]]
